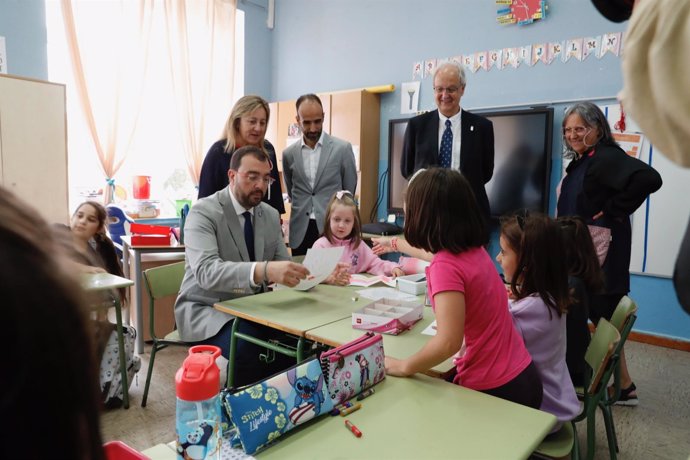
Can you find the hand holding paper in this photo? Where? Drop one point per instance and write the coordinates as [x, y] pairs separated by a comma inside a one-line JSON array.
[[320, 263], [286, 273]]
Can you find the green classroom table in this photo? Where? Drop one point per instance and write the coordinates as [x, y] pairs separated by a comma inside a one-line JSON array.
[[415, 418], [421, 418], [296, 312], [290, 311]]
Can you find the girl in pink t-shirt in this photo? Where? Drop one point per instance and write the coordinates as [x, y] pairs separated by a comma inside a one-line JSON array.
[[469, 299], [343, 227]]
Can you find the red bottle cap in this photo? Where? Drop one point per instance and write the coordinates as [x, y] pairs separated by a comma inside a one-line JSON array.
[[199, 377]]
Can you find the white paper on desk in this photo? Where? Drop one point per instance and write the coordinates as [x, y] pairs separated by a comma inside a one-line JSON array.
[[365, 280], [430, 329], [321, 262], [388, 293]]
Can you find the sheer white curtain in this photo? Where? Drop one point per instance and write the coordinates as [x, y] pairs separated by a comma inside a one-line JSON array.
[[201, 65], [108, 48]]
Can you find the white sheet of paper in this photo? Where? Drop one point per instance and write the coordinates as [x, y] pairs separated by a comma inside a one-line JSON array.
[[388, 293], [321, 262], [430, 329]]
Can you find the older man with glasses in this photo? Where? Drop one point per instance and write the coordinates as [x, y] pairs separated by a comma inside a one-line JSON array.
[[451, 137]]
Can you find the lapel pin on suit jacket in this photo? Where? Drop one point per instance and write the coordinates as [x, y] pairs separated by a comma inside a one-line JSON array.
[[472, 128]]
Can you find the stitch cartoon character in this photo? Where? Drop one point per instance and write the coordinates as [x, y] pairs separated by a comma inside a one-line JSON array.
[[194, 448], [363, 370], [308, 394]]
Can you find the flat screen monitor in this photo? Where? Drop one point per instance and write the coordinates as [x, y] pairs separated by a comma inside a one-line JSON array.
[[522, 161]]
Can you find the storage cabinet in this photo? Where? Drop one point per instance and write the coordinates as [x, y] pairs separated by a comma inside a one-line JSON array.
[[350, 115], [33, 144]]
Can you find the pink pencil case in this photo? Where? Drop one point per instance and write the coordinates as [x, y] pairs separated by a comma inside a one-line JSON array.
[[353, 367]]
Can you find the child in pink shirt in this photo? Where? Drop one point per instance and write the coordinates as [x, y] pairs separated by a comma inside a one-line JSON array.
[[343, 227], [469, 299]]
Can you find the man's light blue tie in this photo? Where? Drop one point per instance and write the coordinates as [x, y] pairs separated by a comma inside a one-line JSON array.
[[446, 148], [249, 233]]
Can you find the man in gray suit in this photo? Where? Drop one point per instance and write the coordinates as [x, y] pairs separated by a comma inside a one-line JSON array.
[[314, 169], [220, 265]]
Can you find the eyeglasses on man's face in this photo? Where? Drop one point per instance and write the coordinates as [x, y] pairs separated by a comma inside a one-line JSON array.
[[448, 90], [579, 130], [255, 178]]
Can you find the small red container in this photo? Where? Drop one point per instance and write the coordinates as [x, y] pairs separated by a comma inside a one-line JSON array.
[[150, 235], [118, 450], [141, 187]]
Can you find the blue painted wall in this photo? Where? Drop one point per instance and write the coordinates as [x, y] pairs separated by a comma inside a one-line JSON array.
[[23, 24], [344, 44], [258, 48]]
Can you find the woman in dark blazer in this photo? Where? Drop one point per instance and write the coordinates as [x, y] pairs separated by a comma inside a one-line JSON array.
[[604, 186], [246, 125]]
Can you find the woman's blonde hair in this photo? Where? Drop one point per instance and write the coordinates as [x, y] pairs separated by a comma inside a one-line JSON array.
[[243, 106]]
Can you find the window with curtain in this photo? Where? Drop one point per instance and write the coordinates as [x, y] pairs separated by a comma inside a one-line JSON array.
[[153, 137]]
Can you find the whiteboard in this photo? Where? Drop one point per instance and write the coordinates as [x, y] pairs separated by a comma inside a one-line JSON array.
[[659, 224]]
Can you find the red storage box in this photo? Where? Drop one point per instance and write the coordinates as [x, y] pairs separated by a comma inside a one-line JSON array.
[[150, 235], [118, 450]]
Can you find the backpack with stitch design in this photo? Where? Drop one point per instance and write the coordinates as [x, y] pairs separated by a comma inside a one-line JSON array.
[[110, 377]]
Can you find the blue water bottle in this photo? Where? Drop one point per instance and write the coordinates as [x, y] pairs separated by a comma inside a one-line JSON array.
[[198, 416]]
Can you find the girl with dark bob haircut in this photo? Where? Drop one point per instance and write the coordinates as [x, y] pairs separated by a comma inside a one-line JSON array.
[[442, 213], [473, 323]]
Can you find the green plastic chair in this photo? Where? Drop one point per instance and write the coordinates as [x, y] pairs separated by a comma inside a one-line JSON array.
[[560, 444], [623, 319], [161, 282], [601, 359]]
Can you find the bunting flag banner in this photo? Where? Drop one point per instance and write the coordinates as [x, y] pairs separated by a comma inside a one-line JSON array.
[[578, 48], [555, 51], [417, 70], [526, 54], [610, 43], [511, 57], [468, 61], [496, 59], [591, 46], [481, 60], [573, 48], [429, 67], [538, 53]]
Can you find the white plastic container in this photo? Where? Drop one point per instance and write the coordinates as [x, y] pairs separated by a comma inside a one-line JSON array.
[[412, 284]]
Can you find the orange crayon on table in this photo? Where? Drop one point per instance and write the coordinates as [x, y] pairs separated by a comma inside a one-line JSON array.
[[353, 428], [349, 410]]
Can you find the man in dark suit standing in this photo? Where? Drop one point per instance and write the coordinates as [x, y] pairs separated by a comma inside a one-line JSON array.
[[451, 137]]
